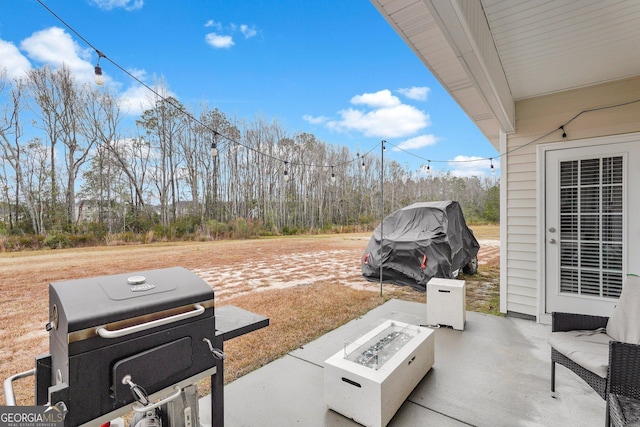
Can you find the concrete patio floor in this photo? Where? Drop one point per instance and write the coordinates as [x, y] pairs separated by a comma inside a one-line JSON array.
[[494, 373]]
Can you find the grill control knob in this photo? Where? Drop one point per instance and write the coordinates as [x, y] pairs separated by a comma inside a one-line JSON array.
[[136, 280]]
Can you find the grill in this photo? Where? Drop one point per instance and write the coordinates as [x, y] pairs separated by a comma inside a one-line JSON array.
[[113, 338]]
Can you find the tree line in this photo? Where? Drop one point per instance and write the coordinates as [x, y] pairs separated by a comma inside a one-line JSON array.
[[75, 164]]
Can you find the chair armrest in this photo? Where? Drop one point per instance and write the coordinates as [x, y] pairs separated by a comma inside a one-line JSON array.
[[562, 322], [624, 369]]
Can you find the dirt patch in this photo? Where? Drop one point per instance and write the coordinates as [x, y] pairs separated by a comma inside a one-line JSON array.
[[275, 270]]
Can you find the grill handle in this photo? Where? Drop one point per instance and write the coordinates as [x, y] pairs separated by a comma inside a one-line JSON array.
[[105, 333], [144, 408], [9, 397]]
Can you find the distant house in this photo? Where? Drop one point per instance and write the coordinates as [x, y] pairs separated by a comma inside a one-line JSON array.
[[555, 87], [87, 210]]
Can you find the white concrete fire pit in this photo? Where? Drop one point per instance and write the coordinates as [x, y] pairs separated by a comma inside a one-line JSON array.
[[376, 371]]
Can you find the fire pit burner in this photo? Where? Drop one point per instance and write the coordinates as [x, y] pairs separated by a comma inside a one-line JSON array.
[[380, 352]]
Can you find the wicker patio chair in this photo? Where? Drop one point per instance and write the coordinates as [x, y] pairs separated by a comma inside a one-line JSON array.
[[604, 352], [564, 322], [623, 400]]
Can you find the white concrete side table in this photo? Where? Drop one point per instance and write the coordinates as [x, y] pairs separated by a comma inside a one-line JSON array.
[[446, 302]]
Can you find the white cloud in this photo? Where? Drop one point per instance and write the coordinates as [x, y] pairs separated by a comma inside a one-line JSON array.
[[53, 46], [417, 142], [381, 115], [248, 32], [138, 73], [417, 93], [136, 99], [378, 99], [315, 120], [213, 24], [467, 166], [113, 4], [15, 64], [218, 41]]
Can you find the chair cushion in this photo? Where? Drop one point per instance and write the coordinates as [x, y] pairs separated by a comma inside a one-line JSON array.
[[624, 323], [589, 349]]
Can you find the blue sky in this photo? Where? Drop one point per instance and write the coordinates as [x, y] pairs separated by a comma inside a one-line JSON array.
[[334, 68]]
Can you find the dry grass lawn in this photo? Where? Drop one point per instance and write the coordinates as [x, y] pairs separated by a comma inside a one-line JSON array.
[[328, 291]]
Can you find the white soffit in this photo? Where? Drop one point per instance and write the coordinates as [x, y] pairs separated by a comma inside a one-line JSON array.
[[489, 53], [552, 46], [445, 37]]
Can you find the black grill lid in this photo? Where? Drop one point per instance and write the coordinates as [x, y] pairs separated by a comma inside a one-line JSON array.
[[85, 303]]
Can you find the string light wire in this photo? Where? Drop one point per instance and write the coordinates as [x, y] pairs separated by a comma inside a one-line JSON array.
[[533, 141], [232, 140], [178, 107]]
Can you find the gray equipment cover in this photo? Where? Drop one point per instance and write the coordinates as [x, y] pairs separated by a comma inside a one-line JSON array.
[[421, 241]]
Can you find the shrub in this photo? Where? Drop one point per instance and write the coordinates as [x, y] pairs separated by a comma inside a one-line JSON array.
[[149, 237], [57, 240], [240, 228], [216, 228], [290, 231], [160, 231], [186, 225], [83, 240]]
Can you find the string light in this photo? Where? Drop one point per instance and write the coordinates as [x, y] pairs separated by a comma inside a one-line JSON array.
[[98, 77], [333, 176], [286, 173], [362, 165], [429, 167], [214, 150], [493, 170]]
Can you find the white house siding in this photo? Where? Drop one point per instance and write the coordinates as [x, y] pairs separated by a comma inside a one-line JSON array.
[[534, 118]]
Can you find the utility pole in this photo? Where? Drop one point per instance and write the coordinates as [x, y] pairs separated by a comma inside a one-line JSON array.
[[381, 210]]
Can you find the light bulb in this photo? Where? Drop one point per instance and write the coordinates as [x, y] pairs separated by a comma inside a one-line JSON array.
[[99, 79], [214, 150]]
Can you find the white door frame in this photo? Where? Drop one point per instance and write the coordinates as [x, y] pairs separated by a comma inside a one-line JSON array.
[[541, 194]]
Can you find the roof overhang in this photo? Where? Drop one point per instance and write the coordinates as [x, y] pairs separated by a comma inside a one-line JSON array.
[[454, 41], [488, 54]]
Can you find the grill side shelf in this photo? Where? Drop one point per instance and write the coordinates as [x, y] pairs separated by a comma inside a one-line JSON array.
[[232, 322]]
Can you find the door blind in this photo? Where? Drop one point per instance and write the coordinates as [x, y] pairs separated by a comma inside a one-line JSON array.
[[591, 227]]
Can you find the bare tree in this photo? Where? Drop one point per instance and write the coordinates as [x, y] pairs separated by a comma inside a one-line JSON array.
[[13, 150], [166, 159], [162, 125], [101, 123], [59, 100]]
